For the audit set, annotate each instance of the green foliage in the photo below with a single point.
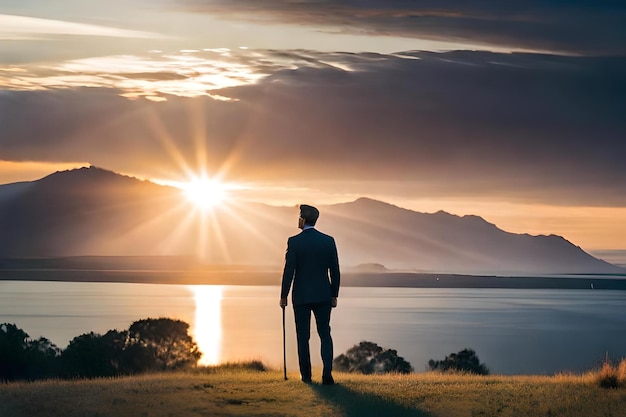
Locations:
(148, 345)
(24, 358)
(369, 358)
(465, 361)
(161, 344)
(91, 355)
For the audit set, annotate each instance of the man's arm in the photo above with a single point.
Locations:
(335, 275)
(288, 272)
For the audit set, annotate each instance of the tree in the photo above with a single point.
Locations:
(464, 361)
(23, 358)
(148, 345)
(13, 352)
(369, 358)
(43, 358)
(160, 344)
(91, 355)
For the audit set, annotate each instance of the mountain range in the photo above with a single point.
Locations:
(95, 212)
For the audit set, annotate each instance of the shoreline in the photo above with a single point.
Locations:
(349, 279)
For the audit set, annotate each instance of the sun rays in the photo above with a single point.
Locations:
(205, 212)
(206, 196)
(204, 192)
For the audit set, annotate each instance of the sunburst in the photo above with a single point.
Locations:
(204, 192)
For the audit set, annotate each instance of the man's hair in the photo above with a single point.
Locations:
(310, 214)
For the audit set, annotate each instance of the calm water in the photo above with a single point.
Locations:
(512, 331)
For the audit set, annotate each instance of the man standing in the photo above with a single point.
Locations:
(312, 264)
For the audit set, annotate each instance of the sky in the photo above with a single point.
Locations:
(513, 111)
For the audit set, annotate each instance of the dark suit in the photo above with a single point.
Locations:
(312, 264)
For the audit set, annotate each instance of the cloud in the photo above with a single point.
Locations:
(14, 27)
(184, 73)
(523, 126)
(575, 27)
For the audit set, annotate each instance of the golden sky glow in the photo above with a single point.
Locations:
(592, 228)
(13, 171)
(428, 109)
(23, 27)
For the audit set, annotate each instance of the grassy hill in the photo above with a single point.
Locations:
(232, 391)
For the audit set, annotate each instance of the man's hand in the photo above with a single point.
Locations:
(333, 302)
(283, 302)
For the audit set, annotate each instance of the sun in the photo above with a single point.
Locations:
(204, 192)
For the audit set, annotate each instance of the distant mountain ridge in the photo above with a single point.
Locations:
(91, 211)
(449, 243)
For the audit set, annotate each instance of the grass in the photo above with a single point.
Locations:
(611, 376)
(236, 390)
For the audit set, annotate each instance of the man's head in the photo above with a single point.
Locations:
(308, 216)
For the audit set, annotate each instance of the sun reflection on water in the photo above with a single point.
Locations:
(207, 330)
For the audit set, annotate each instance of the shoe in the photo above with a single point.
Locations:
(328, 380)
(307, 380)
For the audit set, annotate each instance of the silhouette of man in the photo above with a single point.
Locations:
(312, 264)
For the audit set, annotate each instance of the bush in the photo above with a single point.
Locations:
(612, 376)
(161, 344)
(91, 355)
(22, 358)
(148, 345)
(464, 361)
(621, 371)
(369, 358)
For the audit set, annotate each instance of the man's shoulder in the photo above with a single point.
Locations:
(310, 234)
(295, 238)
(317, 235)
(325, 236)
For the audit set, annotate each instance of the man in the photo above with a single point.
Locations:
(312, 264)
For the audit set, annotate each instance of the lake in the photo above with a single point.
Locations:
(513, 331)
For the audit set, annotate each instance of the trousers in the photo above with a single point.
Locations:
(302, 314)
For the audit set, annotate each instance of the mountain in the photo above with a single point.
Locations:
(448, 243)
(70, 212)
(91, 211)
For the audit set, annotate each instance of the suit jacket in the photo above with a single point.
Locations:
(311, 262)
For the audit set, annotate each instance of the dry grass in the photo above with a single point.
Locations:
(621, 371)
(611, 376)
(237, 391)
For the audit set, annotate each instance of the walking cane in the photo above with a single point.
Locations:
(284, 346)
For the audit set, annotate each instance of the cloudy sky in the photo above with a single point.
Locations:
(513, 111)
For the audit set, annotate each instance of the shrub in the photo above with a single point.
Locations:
(92, 355)
(611, 376)
(161, 344)
(148, 345)
(369, 358)
(22, 358)
(621, 372)
(465, 361)
(607, 377)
